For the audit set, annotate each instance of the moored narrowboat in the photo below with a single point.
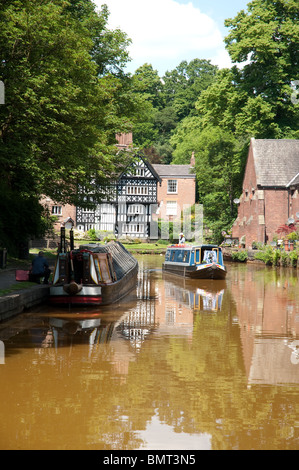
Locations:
(195, 262)
(93, 275)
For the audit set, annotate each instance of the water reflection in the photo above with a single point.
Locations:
(267, 309)
(195, 365)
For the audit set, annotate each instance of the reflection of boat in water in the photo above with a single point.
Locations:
(93, 275)
(195, 262)
(207, 301)
(206, 295)
(93, 330)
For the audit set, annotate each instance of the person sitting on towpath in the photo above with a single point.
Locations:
(40, 268)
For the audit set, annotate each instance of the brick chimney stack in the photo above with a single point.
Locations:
(192, 161)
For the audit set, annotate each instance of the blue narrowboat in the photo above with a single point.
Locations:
(195, 262)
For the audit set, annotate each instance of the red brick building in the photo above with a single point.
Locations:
(177, 190)
(270, 196)
(62, 212)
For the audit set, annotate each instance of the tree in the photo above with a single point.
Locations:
(251, 100)
(218, 162)
(184, 85)
(58, 124)
(266, 39)
(172, 98)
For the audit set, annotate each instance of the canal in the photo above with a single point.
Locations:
(184, 365)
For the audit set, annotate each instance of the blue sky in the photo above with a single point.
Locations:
(165, 32)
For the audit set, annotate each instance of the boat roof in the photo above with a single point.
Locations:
(191, 247)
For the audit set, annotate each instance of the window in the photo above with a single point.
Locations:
(137, 190)
(136, 209)
(171, 208)
(56, 210)
(140, 172)
(172, 186)
(133, 228)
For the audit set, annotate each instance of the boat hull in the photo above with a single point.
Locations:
(88, 295)
(208, 271)
(96, 294)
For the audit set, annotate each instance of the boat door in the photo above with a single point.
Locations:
(197, 256)
(215, 250)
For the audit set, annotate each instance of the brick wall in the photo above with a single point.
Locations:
(250, 222)
(185, 194)
(62, 212)
(262, 211)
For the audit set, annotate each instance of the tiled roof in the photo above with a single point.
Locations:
(177, 171)
(294, 181)
(276, 161)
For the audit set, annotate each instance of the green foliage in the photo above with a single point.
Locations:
(20, 218)
(240, 256)
(249, 101)
(265, 255)
(184, 85)
(167, 101)
(92, 234)
(65, 98)
(293, 236)
(277, 257)
(267, 37)
(218, 170)
(293, 258)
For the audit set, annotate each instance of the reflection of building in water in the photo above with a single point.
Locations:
(268, 313)
(162, 307)
(166, 306)
(178, 299)
(274, 361)
(139, 321)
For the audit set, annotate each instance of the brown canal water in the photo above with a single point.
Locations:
(176, 365)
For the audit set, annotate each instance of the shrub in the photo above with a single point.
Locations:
(265, 255)
(276, 257)
(293, 257)
(241, 256)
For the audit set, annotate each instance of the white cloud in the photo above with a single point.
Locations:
(165, 32)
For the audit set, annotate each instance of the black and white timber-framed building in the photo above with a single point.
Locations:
(131, 201)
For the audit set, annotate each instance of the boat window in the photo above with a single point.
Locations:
(210, 257)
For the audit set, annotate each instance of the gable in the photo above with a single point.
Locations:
(250, 180)
(140, 168)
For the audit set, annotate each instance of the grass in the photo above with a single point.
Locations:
(145, 248)
(157, 248)
(16, 287)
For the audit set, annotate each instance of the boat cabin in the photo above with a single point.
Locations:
(194, 255)
(84, 267)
